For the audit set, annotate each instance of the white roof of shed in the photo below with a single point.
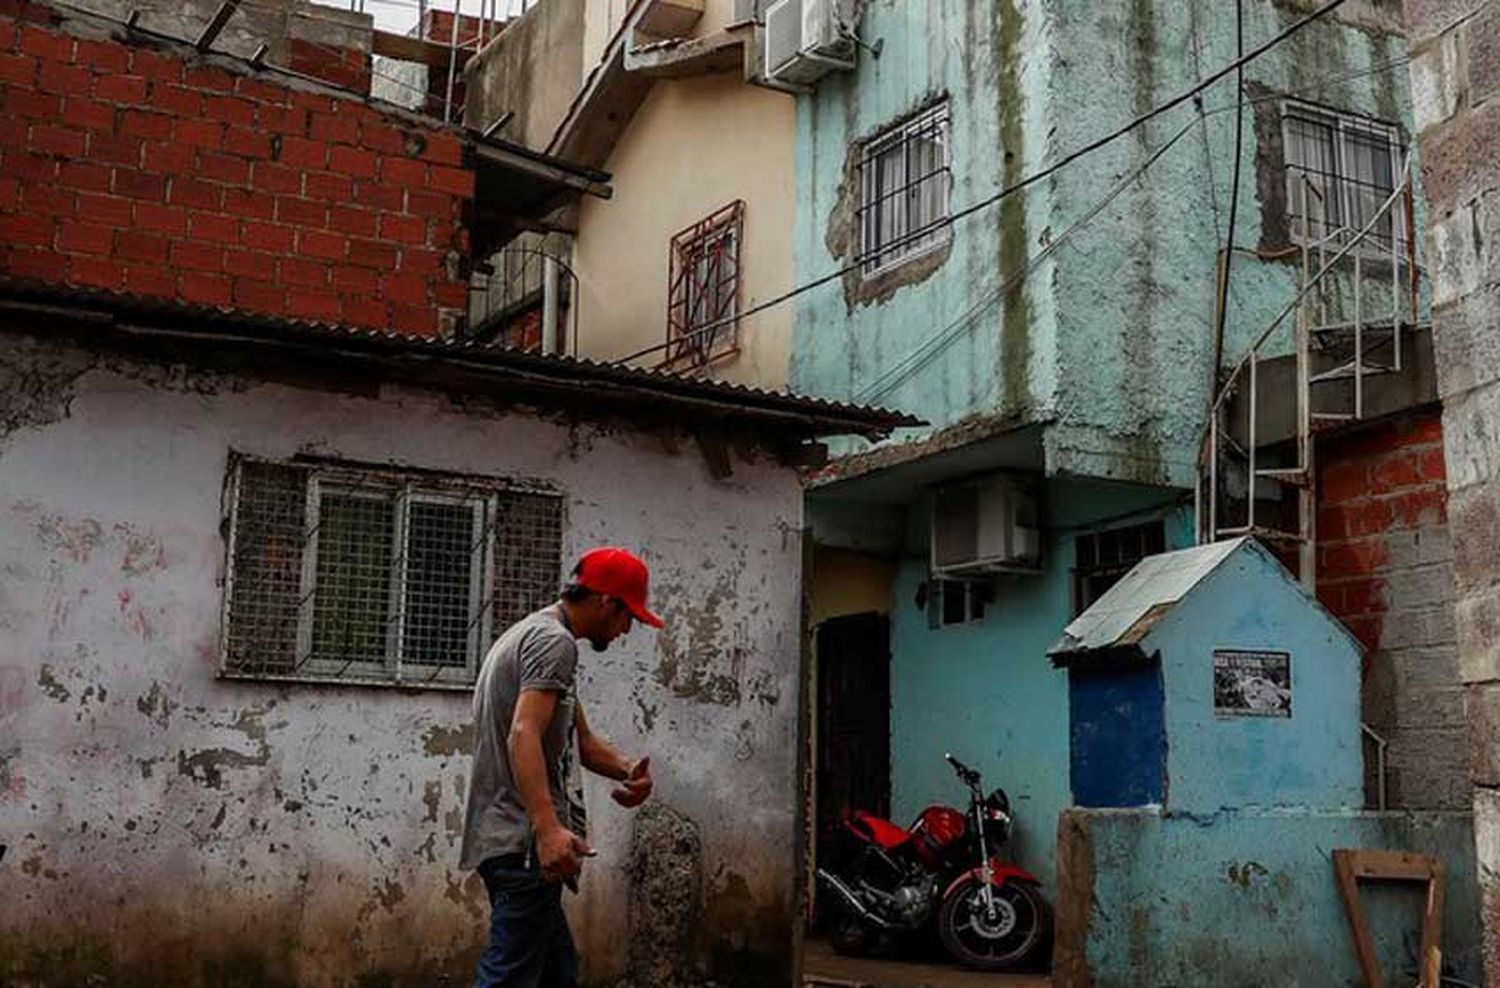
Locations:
(1130, 608)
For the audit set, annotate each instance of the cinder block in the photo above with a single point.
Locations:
(1474, 513)
(1482, 35)
(1484, 733)
(1456, 240)
(1437, 81)
(1418, 587)
(1477, 615)
(1424, 668)
(1465, 342)
(1451, 153)
(1425, 19)
(1427, 627)
(1435, 711)
(1471, 443)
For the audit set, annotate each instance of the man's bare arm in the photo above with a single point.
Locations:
(602, 758)
(558, 848)
(597, 754)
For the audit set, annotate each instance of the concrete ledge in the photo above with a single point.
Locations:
(1247, 898)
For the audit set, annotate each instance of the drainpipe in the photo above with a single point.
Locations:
(551, 331)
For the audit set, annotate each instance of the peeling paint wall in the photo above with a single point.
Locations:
(1245, 899)
(166, 827)
(1111, 338)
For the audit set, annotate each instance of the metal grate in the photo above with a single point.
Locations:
(703, 290)
(374, 575)
(351, 594)
(905, 176)
(265, 563)
(528, 554)
(445, 553)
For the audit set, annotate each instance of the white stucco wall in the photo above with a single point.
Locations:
(164, 824)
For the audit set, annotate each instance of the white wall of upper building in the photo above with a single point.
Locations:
(603, 18)
(695, 146)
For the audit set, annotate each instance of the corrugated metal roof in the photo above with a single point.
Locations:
(1130, 608)
(103, 309)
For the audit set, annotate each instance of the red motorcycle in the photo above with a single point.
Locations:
(944, 872)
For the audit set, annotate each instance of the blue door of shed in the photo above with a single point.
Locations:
(1119, 737)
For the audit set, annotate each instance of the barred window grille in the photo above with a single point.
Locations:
(905, 176)
(1340, 169)
(351, 574)
(703, 290)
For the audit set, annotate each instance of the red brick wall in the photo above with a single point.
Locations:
(145, 169)
(1385, 567)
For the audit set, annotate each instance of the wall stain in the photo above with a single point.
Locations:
(1015, 328)
(447, 741)
(432, 798)
(51, 686)
(156, 706)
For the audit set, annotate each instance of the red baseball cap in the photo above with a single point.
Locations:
(617, 573)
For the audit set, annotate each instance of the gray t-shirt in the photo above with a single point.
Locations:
(536, 653)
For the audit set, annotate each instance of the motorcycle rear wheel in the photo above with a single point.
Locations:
(1001, 941)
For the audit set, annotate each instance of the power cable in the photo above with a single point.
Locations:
(1222, 309)
(1024, 183)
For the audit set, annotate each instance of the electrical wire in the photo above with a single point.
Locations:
(1021, 185)
(1222, 300)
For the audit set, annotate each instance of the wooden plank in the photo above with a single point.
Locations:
(1392, 865)
(1432, 930)
(409, 49)
(1343, 866)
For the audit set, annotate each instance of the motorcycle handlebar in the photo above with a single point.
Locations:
(968, 775)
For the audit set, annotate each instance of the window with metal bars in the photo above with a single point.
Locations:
(1101, 558)
(1340, 169)
(905, 177)
(371, 575)
(703, 290)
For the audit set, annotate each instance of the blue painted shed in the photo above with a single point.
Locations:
(1209, 679)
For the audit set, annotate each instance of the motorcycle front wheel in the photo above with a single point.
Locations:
(997, 935)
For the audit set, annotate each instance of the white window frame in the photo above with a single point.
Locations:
(1342, 124)
(403, 491)
(877, 258)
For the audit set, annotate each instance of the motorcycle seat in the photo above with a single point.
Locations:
(882, 832)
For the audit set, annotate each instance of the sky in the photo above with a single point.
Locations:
(400, 16)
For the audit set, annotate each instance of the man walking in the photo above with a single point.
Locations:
(525, 827)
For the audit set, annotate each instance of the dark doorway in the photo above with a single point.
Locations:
(854, 721)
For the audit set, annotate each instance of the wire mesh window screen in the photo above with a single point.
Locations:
(351, 589)
(703, 289)
(528, 554)
(905, 178)
(347, 574)
(270, 527)
(1340, 169)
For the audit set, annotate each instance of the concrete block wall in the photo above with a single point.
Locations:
(1385, 568)
(137, 165)
(1455, 73)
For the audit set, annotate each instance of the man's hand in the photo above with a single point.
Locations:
(632, 792)
(560, 853)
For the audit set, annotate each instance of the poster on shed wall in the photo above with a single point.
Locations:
(1252, 684)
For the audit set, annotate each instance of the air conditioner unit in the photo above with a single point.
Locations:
(807, 39)
(986, 526)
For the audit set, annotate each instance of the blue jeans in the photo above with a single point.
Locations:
(530, 944)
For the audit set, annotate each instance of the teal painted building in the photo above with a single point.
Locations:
(1063, 336)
